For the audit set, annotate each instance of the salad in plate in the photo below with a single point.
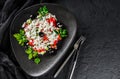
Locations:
(41, 34)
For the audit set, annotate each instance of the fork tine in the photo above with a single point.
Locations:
(81, 39)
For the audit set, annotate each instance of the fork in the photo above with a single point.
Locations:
(76, 57)
(76, 46)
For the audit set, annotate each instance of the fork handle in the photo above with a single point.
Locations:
(76, 58)
(64, 63)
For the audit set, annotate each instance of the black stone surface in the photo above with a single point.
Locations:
(99, 20)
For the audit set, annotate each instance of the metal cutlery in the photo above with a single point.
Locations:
(76, 46)
(82, 39)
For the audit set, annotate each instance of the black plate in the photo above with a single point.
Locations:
(47, 62)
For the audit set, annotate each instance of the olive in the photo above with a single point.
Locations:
(41, 34)
(26, 47)
(25, 43)
(59, 24)
(51, 51)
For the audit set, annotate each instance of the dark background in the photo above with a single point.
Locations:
(98, 20)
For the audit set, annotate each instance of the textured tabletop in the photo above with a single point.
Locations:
(99, 20)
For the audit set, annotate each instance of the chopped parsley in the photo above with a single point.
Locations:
(37, 60)
(20, 37)
(43, 11)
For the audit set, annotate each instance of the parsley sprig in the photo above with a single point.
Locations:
(20, 37)
(32, 55)
(62, 32)
(43, 11)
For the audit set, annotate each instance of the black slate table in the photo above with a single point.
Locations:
(99, 21)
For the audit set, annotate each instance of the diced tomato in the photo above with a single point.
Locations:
(31, 42)
(54, 24)
(52, 20)
(55, 42)
(59, 37)
(45, 38)
(53, 46)
(40, 50)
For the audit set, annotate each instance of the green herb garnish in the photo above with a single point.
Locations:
(37, 60)
(43, 11)
(20, 37)
(29, 50)
(62, 32)
(56, 31)
(30, 56)
(31, 53)
(35, 54)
